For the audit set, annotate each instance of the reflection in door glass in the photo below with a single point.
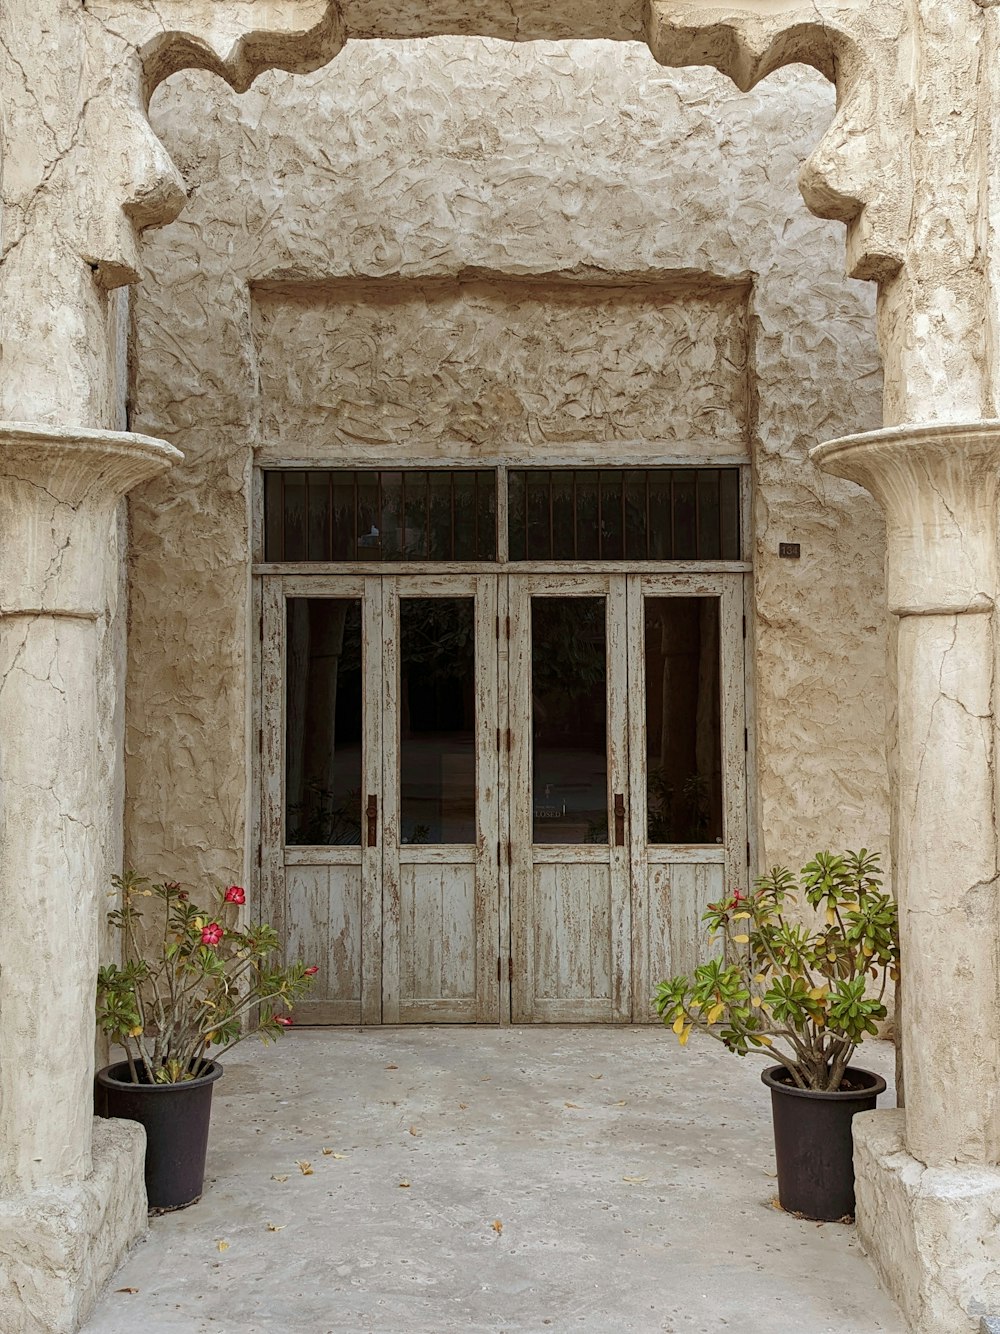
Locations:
(323, 722)
(569, 720)
(437, 711)
(683, 728)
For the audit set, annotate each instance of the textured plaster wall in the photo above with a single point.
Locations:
(400, 168)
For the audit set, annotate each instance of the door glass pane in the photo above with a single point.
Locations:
(683, 725)
(437, 720)
(323, 719)
(569, 722)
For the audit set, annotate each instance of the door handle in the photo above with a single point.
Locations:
(372, 813)
(619, 820)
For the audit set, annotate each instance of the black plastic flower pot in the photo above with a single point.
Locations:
(812, 1141)
(176, 1118)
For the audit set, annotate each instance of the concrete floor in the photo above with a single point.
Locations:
(528, 1180)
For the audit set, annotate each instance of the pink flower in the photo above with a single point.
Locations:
(283, 1020)
(311, 972)
(211, 934)
(234, 894)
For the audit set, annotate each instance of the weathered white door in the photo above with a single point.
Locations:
(380, 837)
(569, 899)
(440, 832)
(687, 767)
(321, 743)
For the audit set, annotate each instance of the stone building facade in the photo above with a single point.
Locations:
(343, 247)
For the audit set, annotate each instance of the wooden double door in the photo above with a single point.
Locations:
(499, 797)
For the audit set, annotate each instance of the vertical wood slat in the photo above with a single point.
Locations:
(620, 924)
(372, 782)
(487, 884)
(639, 878)
(389, 803)
(272, 760)
(504, 810)
(521, 869)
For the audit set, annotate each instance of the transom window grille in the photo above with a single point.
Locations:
(364, 515)
(553, 514)
(624, 514)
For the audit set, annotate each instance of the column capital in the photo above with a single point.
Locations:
(938, 487)
(58, 488)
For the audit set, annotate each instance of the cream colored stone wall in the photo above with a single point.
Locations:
(515, 170)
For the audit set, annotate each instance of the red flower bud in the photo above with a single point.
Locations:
(283, 1020)
(311, 972)
(234, 894)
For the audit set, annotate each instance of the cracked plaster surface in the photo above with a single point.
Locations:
(282, 308)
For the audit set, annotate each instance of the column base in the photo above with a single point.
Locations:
(59, 1247)
(930, 1232)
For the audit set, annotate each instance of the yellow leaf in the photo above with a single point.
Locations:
(831, 915)
(832, 957)
(714, 1013)
(741, 917)
(678, 1024)
(305, 1168)
(135, 1032)
(760, 979)
(766, 1040)
(819, 993)
(755, 1001)
(222, 1245)
(497, 1226)
(684, 1036)
(741, 940)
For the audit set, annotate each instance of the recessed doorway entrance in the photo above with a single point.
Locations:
(503, 792)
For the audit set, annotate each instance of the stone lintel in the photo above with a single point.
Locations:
(59, 1247)
(938, 487)
(930, 1232)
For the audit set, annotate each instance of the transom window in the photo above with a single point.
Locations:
(451, 514)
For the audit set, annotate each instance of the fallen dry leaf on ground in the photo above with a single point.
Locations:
(572, 1104)
(126, 1289)
(462, 1106)
(305, 1168)
(619, 1104)
(497, 1226)
(222, 1245)
(635, 1181)
(276, 1227)
(414, 1130)
(597, 1076)
(404, 1185)
(274, 1178)
(392, 1067)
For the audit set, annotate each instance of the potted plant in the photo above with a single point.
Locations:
(818, 990)
(176, 1007)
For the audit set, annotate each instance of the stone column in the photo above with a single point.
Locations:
(71, 1201)
(928, 1179)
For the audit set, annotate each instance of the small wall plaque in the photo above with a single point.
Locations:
(790, 550)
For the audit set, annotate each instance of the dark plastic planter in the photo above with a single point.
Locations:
(176, 1118)
(813, 1144)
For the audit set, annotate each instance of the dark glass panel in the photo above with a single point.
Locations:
(345, 515)
(296, 537)
(320, 517)
(486, 515)
(685, 516)
(588, 541)
(563, 515)
(612, 530)
(391, 516)
(369, 521)
(569, 720)
(661, 516)
(683, 723)
(274, 516)
(465, 516)
(323, 720)
(709, 532)
(437, 712)
(517, 543)
(729, 489)
(636, 517)
(441, 517)
(538, 520)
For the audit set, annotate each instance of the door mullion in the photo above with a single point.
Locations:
(503, 751)
(389, 822)
(637, 781)
(618, 781)
(373, 786)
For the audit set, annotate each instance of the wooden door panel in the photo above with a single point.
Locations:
(437, 942)
(572, 923)
(324, 928)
